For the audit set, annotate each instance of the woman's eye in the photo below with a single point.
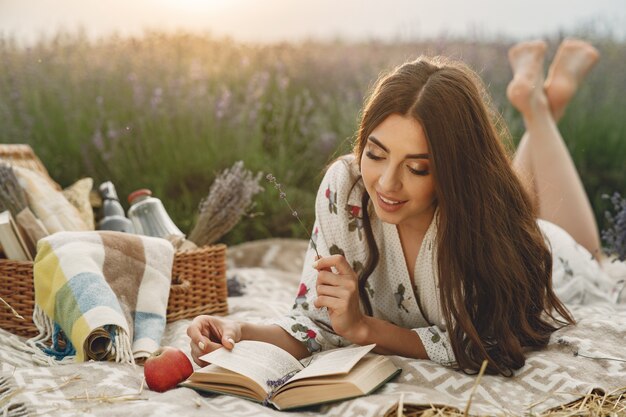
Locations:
(418, 170)
(371, 156)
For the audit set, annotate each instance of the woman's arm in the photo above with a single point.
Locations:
(389, 338)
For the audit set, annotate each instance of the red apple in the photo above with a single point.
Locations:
(166, 367)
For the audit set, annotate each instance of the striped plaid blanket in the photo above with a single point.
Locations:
(101, 295)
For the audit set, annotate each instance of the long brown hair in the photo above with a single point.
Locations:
(494, 268)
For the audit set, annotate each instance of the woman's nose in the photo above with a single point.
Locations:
(389, 180)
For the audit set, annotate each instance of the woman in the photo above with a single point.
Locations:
(448, 262)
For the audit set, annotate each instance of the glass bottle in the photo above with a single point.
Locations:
(149, 216)
(113, 217)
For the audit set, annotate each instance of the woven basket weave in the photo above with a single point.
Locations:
(198, 275)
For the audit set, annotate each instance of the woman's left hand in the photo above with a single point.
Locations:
(339, 293)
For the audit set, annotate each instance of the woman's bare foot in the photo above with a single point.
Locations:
(572, 62)
(525, 91)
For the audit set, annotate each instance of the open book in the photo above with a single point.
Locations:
(266, 373)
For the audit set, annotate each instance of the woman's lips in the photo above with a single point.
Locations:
(387, 206)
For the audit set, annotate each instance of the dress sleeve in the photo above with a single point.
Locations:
(437, 345)
(305, 322)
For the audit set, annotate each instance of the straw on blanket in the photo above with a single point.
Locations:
(101, 295)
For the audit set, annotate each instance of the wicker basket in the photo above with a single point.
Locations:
(198, 275)
(198, 287)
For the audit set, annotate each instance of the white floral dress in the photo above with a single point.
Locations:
(338, 229)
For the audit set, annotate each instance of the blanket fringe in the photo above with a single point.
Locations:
(8, 407)
(123, 347)
(45, 325)
(37, 355)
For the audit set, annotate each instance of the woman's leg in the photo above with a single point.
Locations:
(543, 160)
(522, 164)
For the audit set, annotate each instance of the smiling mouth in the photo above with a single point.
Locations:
(390, 201)
(386, 200)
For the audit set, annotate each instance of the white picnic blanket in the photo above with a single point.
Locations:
(588, 355)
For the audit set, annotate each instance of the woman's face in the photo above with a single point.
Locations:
(396, 172)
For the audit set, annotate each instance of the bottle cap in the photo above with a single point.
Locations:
(138, 193)
(107, 191)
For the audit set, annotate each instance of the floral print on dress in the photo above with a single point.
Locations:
(436, 338)
(307, 336)
(399, 296)
(336, 250)
(355, 220)
(437, 345)
(301, 298)
(568, 270)
(357, 266)
(332, 200)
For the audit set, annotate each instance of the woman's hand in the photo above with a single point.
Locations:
(339, 293)
(209, 333)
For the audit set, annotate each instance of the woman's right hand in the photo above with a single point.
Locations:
(208, 333)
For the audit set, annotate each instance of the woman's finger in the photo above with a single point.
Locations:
(339, 262)
(207, 345)
(331, 291)
(228, 340)
(328, 278)
(328, 302)
(194, 330)
(196, 354)
(205, 333)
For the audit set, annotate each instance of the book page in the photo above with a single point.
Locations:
(264, 363)
(333, 362)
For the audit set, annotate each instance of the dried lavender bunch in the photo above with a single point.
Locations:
(283, 196)
(614, 236)
(12, 195)
(229, 198)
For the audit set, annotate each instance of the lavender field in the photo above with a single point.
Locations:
(169, 111)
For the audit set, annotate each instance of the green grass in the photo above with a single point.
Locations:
(169, 111)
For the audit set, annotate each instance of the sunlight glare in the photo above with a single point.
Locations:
(194, 5)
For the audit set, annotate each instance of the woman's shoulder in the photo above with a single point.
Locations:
(344, 171)
(342, 185)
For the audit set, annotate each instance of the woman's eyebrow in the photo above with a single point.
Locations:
(409, 156)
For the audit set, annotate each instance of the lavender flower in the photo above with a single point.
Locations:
(275, 384)
(221, 107)
(230, 196)
(157, 98)
(614, 236)
(283, 196)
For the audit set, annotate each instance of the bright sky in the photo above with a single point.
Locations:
(275, 20)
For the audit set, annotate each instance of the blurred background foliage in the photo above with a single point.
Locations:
(169, 111)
